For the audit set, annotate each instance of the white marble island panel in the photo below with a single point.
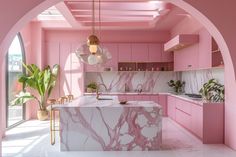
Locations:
(90, 124)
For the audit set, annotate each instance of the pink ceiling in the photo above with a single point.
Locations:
(120, 14)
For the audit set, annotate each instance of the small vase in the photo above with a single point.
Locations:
(42, 115)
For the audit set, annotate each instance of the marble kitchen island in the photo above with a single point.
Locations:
(88, 124)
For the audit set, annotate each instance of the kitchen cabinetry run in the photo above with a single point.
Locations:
(202, 55)
(148, 56)
(140, 52)
(205, 120)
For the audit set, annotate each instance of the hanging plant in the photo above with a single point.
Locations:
(213, 91)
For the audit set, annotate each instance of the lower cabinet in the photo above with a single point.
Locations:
(171, 107)
(197, 120)
(205, 120)
(183, 118)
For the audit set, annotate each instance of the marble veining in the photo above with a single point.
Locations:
(133, 127)
(195, 79)
(150, 81)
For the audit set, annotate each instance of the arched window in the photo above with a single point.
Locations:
(15, 57)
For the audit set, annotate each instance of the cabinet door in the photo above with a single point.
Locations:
(140, 52)
(113, 49)
(146, 97)
(166, 56)
(124, 52)
(197, 120)
(183, 118)
(138, 97)
(204, 56)
(162, 100)
(154, 52)
(171, 107)
(186, 59)
(129, 97)
(122, 97)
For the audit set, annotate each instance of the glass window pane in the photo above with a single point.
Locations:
(15, 59)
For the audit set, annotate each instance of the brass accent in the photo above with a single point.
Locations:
(93, 40)
(53, 126)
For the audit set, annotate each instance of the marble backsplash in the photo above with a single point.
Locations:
(150, 81)
(195, 79)
(153, 81)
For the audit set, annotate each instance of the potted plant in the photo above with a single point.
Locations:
(213, 91)
(92, 87)
(177, 85)
(39, 82)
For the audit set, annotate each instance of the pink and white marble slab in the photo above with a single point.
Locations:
(87, 124)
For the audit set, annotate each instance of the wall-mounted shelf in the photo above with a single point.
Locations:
(145, 66)
(181, 41)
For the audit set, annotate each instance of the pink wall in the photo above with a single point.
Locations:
(108, 36)
(60, 45)
(216, 16)
(188, 25)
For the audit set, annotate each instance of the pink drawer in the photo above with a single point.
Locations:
(183, 118)
(183, 106)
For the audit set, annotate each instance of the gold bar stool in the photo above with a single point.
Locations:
(53, 126)
(51, 102)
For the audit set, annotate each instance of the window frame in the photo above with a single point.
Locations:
(7, 81)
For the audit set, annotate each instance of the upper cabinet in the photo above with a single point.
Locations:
(139, 52)
(155, 52)
(203, 55)
(131, 53)
(181, 41)
(124, 52)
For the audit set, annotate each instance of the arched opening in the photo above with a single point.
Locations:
(15, 58)
(211, 28)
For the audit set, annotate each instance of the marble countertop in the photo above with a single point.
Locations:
(110, 101)
(198, 101)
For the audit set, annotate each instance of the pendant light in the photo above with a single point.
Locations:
(92, 53)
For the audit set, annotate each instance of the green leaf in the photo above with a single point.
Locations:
(22, 98)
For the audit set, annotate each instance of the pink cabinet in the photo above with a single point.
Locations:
(197, 120)
(124, 52)
(171, 107)
(162, 100)
(205, 46)
(113, 49)
(140, 52)
(155, 52)
(186, 59)
(166, 56)
(183, 118)
(205, 120)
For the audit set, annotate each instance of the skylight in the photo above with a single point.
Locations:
(50, 14)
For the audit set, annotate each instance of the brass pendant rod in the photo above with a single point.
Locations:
(93, 18)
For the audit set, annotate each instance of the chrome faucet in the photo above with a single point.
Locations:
(97, 90)
(139, 88)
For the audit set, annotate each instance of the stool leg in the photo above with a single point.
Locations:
(52, 127)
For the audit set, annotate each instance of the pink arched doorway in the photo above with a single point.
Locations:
(216, 16)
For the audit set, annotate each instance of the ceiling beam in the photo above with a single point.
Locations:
(63, 9)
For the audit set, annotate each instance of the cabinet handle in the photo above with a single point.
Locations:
(189, 66)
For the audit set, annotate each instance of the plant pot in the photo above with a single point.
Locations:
(42, 115)
(91, 90)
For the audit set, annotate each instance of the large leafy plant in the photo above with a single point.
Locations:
(41, 81)
(213, 91)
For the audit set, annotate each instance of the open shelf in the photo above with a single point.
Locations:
(145, 66)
